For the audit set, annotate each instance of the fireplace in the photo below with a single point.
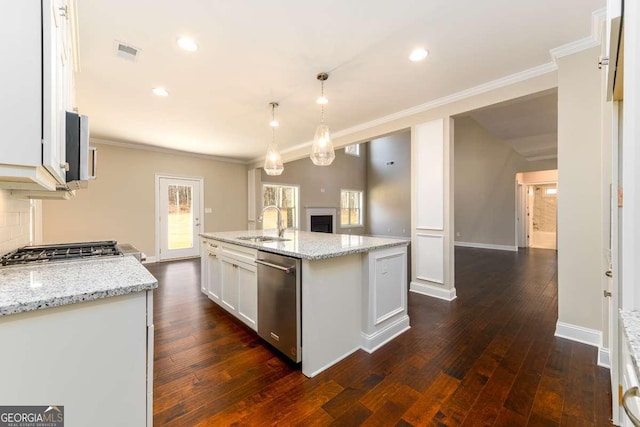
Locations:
(321, 220)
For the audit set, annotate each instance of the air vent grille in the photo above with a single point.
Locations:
(126, 51)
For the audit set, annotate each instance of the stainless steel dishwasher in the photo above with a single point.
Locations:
(279, 303)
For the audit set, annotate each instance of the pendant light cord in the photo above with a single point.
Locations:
(322, 105)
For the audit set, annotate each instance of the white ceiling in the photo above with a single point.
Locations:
(254, 52)
(529, 124)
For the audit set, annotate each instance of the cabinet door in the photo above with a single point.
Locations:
(228, 285)
(204, 269)
(214, 279)
(248, 295)
(55, 67)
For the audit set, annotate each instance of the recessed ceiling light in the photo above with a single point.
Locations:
(322, 100)
(160, 91)
(187, 44)
(418, 54)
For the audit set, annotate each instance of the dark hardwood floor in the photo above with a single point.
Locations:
(487, 358)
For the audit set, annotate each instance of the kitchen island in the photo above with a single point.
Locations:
(353, 288)
(79, 334)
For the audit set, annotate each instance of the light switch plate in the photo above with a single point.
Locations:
(208, 210)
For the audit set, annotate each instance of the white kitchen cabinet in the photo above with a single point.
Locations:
(87, 357)
(629, 380)
(229, 285)
(210, 271)
(247, 280)
(229, 278)
(214, 279)
(36, 81)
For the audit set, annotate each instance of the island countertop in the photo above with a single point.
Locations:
(308, 245)
(37, 286)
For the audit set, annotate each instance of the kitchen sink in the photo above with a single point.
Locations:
(259, 239)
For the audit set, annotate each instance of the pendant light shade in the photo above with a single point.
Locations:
(322, 153)
(273, 160)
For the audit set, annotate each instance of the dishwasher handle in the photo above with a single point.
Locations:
(287, 270)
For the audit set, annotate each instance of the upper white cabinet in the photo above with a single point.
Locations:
(36, 81)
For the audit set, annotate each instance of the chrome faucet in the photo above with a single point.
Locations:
(281, 227)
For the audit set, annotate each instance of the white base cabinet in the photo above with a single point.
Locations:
(229, 279)
(88, 357)
(629, 380)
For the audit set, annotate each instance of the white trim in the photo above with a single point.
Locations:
(547, 157)
(158, 176)
(579, 334)
(149, 260)
(573, 47)
(372, 342)
(330, 364)
(603, 358)
(487, 246)
(154, 148)
(433, 291)
(597, 18)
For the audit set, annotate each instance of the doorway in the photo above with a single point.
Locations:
(542, 208)
(178, 220)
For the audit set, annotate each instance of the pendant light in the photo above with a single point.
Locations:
(273, 160)
(322, 153)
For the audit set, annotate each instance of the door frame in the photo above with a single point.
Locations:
(522, 206)
(157, 210)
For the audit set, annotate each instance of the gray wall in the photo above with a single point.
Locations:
(388, 197)
(484, 184)
(320, 185)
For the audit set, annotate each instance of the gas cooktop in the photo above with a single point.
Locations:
(59, 252)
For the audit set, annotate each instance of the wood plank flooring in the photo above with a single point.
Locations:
(488, 358)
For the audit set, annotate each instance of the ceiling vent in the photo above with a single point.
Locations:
(126, 51)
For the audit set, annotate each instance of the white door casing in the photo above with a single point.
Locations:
(179, 216)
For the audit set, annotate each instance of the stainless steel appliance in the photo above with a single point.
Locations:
(78, 152)
(279, 303)
(68, 251)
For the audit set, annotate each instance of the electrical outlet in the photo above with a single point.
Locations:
(457, 234)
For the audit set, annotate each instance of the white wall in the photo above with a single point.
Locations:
(580, 193)
(485, 185)
(120, 204)
(388, 197)
(14, 222)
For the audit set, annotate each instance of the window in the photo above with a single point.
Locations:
(286, 198)
(350, 208)
(353, 149)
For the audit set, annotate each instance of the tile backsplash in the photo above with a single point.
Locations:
(14, 222)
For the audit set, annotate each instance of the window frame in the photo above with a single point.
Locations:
(361, 208)
(357, 150)
(297, 207)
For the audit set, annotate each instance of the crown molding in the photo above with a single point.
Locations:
(597, 18)
(145, 147)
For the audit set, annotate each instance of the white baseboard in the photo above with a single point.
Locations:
(433, 291)
(149, 260)
(372, 342)
(603, 358)
(579, 334)
(487, 246)
(330, 364)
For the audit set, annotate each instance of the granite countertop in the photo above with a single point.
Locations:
(308, 245)
(37, 286)
(631, 326)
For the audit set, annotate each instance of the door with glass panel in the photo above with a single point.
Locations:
(179, 219)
